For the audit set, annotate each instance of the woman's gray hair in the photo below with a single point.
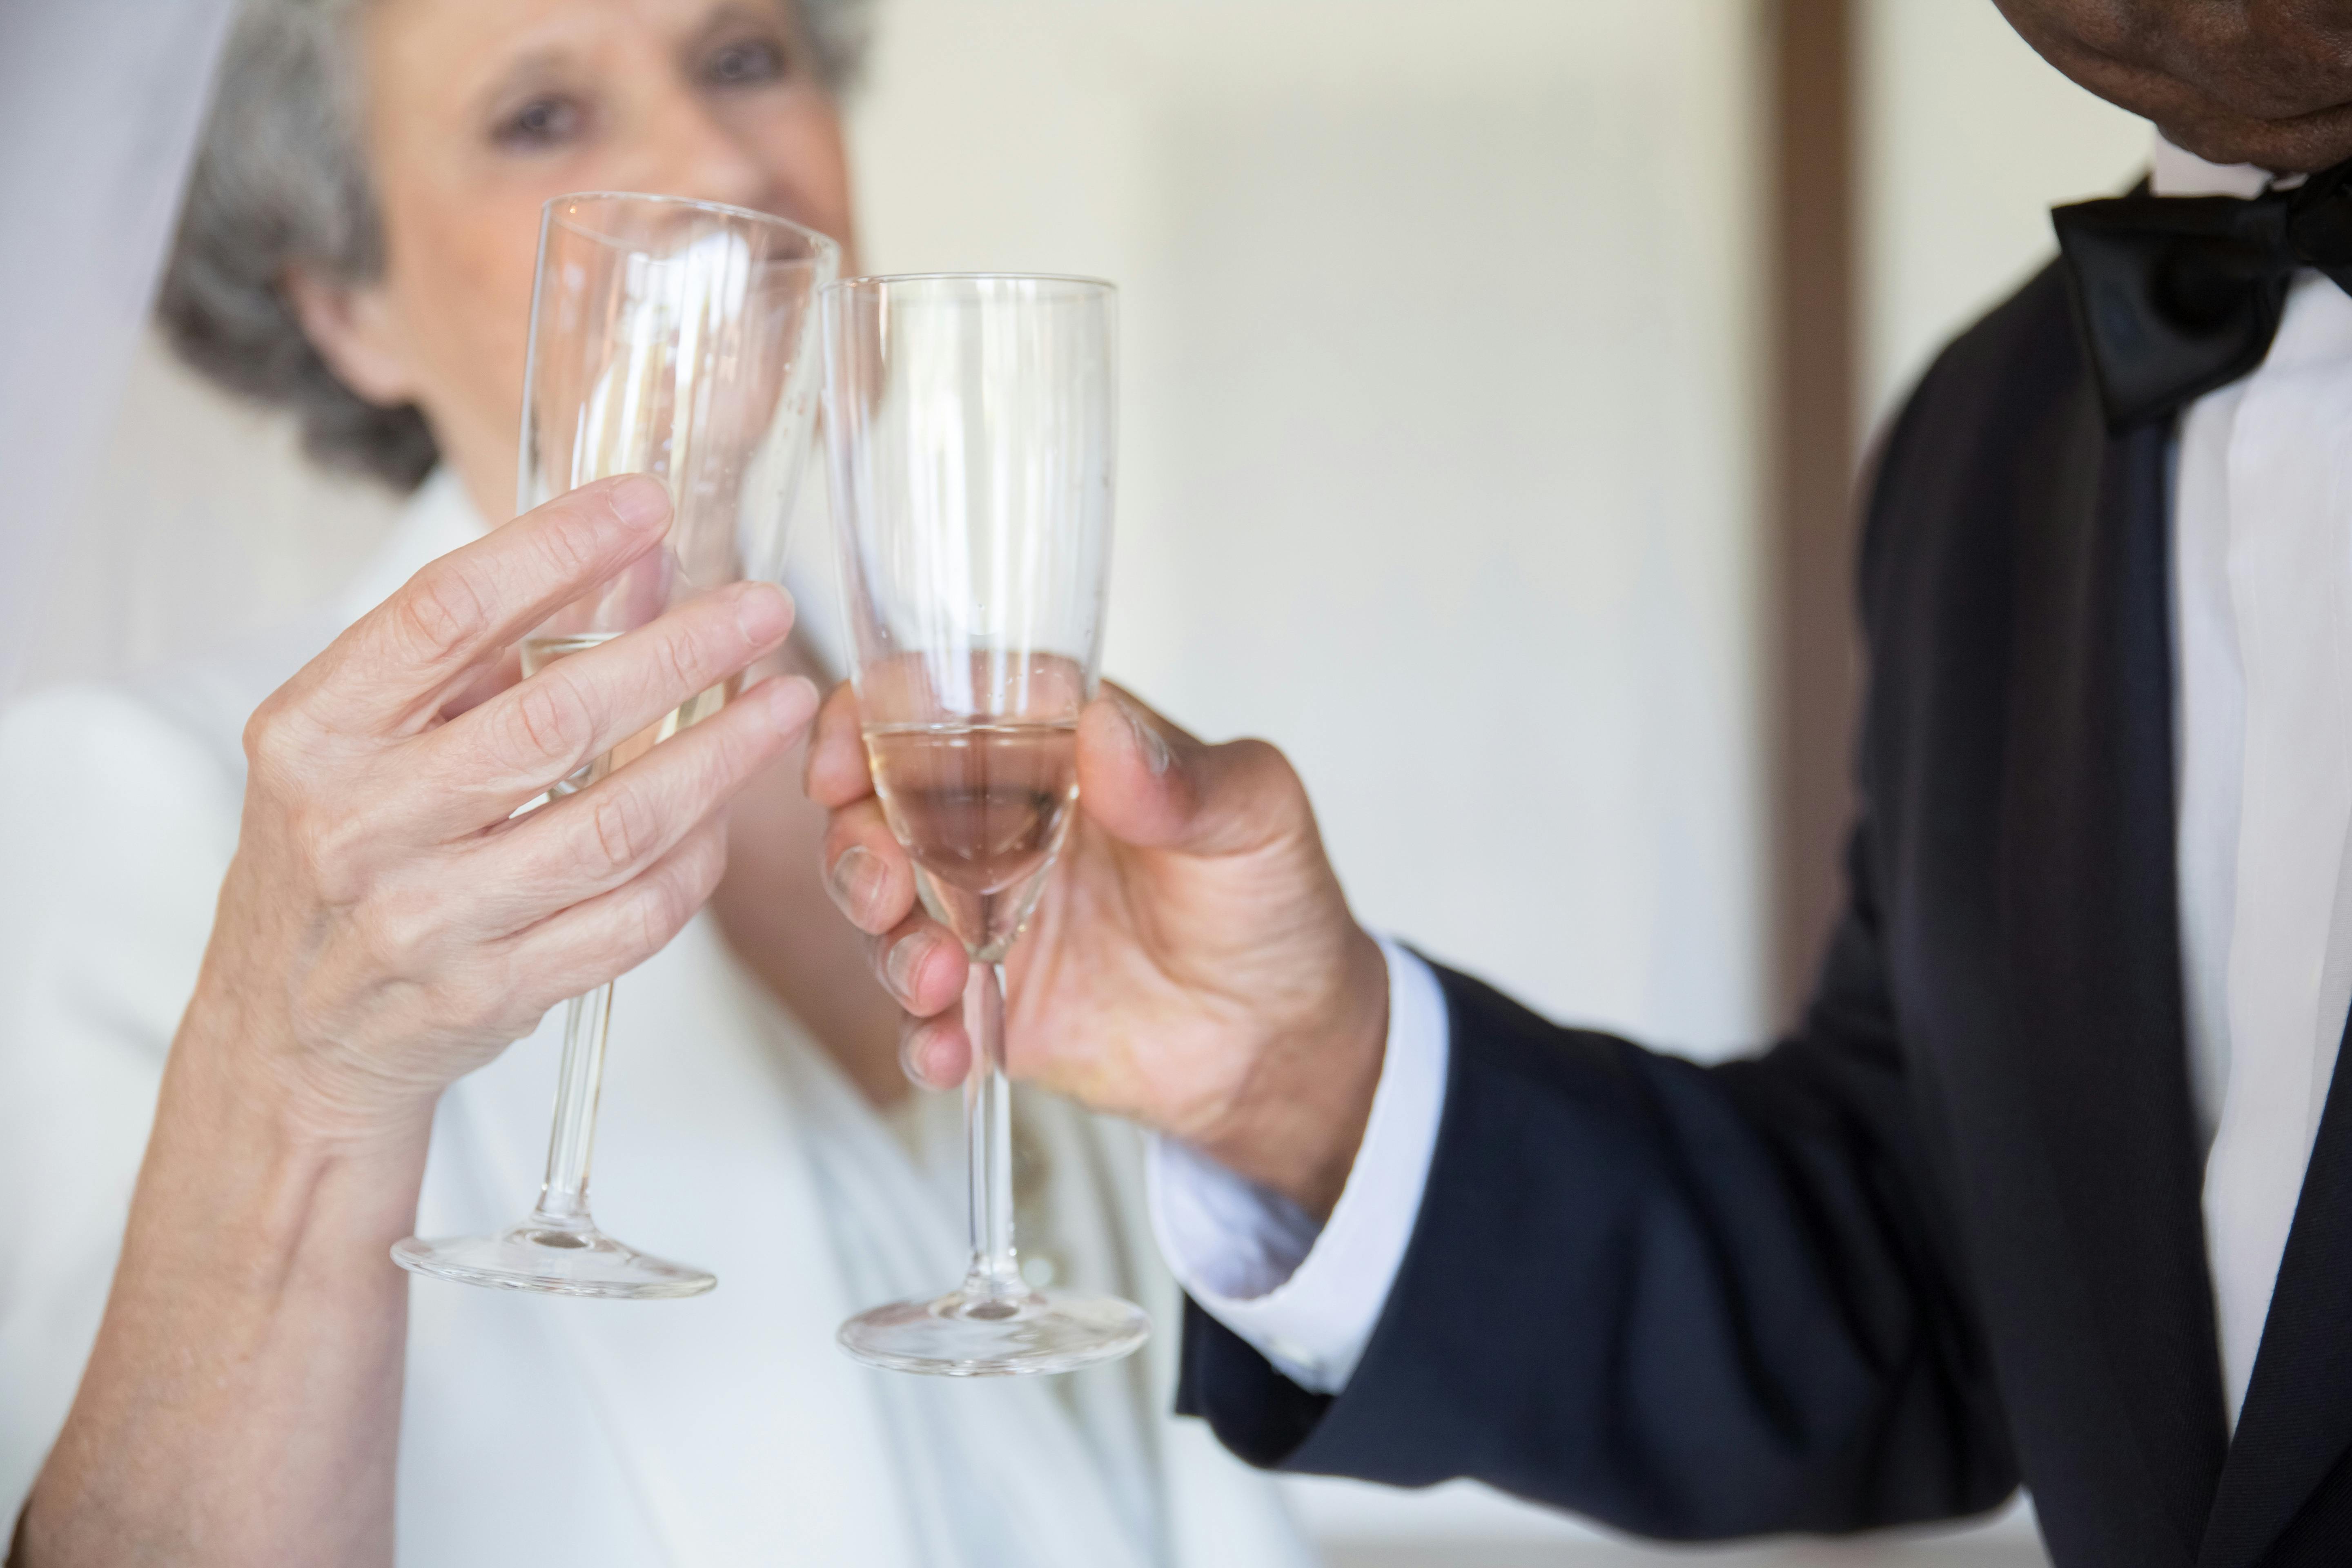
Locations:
(280, 180)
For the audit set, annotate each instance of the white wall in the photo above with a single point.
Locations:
(1968, 139)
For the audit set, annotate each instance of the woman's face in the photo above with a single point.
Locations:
(478, 111)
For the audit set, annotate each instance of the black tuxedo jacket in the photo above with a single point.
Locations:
(1947, 1237)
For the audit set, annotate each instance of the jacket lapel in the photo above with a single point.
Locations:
(2297, 1421)
(2092, 951)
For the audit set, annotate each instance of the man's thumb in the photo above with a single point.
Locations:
(1148, 784)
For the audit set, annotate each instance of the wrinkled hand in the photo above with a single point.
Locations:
(388, 924)
(1193, 965)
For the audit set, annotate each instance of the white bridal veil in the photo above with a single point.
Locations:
(101, 101)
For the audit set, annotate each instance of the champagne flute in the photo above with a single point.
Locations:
(672, 338)
(970, 421)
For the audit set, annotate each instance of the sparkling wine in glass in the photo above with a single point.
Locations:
(672, 338)
(982, 809)
(970, 422)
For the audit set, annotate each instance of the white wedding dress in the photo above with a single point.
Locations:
(725, 1430)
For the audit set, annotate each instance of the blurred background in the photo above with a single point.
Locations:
(1495, 374)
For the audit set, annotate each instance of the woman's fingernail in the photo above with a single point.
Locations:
(791, 702)
(639, 500)
(904, 963)
(856, 881)
(1147, 737)
(763, 613)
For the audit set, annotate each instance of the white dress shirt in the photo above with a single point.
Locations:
(2262, 543)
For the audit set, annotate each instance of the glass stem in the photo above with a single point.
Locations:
(563, 1199)
(988, 1136)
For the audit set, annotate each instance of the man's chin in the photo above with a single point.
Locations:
(2200, 122)
(2234, 81)
(2302, 145)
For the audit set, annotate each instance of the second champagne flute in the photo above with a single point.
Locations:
(672, 338)
(970, 425)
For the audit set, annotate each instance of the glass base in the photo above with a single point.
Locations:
(966, 1334)
(555, 1259)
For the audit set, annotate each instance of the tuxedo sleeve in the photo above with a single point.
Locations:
(1692, 1302)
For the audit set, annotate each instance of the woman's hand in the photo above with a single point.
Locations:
(388, 924)
(1193, 965)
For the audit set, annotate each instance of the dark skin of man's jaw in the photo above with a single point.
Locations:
(2267, 82)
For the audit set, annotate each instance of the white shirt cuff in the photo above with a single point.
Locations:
(1307, 1297)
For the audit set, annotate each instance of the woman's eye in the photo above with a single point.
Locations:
(746, 63)
(541, 122)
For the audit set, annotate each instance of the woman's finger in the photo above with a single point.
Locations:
(392, 672)
(587, 844)
(489, 677)
(501, 753)
(571, 953)
(865, 870)
(838, 773)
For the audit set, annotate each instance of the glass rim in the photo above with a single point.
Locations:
(821, 243)
(878, 281)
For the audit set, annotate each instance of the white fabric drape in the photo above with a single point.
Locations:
(100, 102)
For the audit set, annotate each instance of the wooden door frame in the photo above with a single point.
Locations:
(1812, 353)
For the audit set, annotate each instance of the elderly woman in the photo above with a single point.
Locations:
(263, 1006)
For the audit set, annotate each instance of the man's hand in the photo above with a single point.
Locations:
(1193, 965)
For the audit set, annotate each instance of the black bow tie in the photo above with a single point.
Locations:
(2178, 295)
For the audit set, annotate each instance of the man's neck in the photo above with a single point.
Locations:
(2173, 171)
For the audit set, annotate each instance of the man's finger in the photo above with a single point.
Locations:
(921, 964)
(934, 1053)
(1150, 783)
(499, 755)
(392, 672)
(865, 870)
(838, 773)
